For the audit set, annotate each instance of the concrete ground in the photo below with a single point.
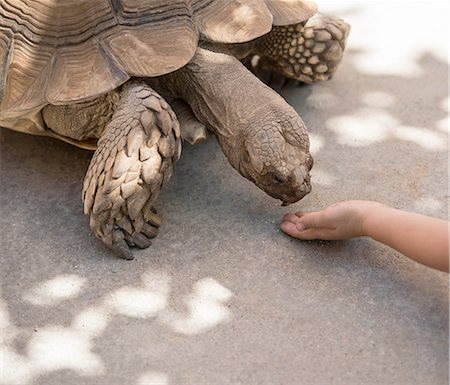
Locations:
(223, 297)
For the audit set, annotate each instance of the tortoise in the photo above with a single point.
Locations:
(130, 78)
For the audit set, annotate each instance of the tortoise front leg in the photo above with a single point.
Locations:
(307, 52)
(134, 160)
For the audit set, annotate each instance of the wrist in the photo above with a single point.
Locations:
(370, 217)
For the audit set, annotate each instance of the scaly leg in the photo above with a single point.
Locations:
(307, 52)
(134, 159)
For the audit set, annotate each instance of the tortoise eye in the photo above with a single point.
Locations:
(278, 179)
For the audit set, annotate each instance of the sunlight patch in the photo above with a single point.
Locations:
(445, 104)
(206, 308)
(153, 378)
(370, 126)
(395, 48)
(137, 303)
(55, 348)
(15, 370)
(378, 99)
(372, 63)
(422, 137)
(142, 302)
(5, 321)
(362, 129)
(322, 100)
(55, 290)
(316, 143)
(91, 321)
(443, 125)
(212, 290)
(322, 177)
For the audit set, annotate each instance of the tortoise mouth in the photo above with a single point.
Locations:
(288, 184)
(305, 189)
(289, 189)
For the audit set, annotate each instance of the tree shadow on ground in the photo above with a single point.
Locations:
(220, 278)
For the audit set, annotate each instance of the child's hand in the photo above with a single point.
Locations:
(421, 238)
(342, 220)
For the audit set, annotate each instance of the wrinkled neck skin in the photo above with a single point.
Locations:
(260, 134)
(218, 91)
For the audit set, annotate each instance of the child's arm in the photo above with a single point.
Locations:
(421, 238)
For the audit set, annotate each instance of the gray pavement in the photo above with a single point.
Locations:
(222, 296)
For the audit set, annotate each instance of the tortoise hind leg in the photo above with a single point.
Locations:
(133, 161)
(192, 130)
(307, 52)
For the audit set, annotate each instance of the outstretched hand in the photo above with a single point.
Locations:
(342, 220)
(419, 237)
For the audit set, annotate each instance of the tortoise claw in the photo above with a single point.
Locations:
(153, 218)
(150, 230)
(122, 241)
(141, 241)
(120, 247)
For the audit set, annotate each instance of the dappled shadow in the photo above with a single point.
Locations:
(222, 296)
(384, 127)
(70, 345)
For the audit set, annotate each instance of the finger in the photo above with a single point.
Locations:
(312, 220)
(307, 235)
(293, 216)
(290, 217)
(312, 234)
(290, 229)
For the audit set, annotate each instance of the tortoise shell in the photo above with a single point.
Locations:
(63, 52)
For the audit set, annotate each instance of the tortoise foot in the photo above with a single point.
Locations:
(122, 239)
(307, 52)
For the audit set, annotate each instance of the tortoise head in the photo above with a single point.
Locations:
(276, 158)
